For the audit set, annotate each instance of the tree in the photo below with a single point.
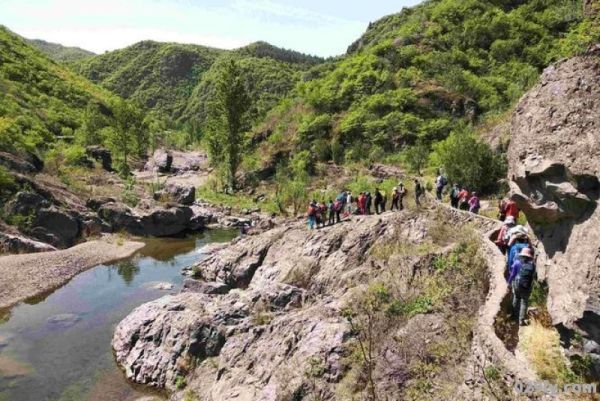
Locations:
(129, 134)
(416, 156)
(93, 122)
(226, 122)
(469, 161)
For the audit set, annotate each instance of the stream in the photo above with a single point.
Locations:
(57, 347)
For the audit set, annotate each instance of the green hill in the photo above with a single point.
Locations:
(40, 98)
(157, 75)
(167, 76)
(419, 74)
(267, 82)
(59, 52)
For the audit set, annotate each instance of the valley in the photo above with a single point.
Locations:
(158, 206)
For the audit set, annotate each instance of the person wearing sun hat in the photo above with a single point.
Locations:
(502, 240)
(521, 279)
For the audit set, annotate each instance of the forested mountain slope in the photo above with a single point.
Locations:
(58, 52)
(417, 75)
(167, 76)
(40, 98)
(156, 75)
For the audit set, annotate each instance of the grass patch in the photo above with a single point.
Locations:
(237, 201)
(541, 346)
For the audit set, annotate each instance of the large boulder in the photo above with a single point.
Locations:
(19, 244)
(97, 202)
(25, 203)
(188, 161)
(554, 159)
(101, 155)
(160, 340)
(160, 161)
(24, 164)
(55, 227)
(166, 222)
(183, 194)
(158, 222)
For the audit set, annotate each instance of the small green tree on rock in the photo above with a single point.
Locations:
(227, 122)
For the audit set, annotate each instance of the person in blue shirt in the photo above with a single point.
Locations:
(520, 280)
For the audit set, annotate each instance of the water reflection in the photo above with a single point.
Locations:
(57, 347)
(127, 269)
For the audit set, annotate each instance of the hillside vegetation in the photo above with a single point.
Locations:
(59, 52)
(155, 75)
(176, 80)
(40, 98)
(416, 76)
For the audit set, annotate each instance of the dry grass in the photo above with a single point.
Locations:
(541, 346)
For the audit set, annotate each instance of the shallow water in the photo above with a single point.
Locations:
(57, 347)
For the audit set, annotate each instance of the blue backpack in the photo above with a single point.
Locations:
(525, 277)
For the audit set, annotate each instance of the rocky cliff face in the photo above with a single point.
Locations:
(554, 159)
(283, 315)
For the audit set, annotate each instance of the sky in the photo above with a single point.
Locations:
(320, 27)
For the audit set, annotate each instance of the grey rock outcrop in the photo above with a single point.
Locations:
(158, 222)
(26, 203)
(160, 161)
(554, 160)
(19, 244)
(277, 299)
(55, 227)
(102, 155)
(183, 194)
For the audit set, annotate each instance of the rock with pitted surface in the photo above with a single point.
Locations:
(554, 160)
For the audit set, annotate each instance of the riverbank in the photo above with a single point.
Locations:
(28, 275)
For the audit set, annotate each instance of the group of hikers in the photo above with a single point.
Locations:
(345, 204)
(460, 197)
(513, 241)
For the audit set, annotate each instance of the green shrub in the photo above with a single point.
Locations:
(469, 161)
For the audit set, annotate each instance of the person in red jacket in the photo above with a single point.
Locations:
(362, 203)
(512, 209)
(463, 199)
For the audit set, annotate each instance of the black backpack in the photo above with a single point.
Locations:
(525, 277)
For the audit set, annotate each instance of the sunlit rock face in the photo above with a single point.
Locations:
(554, 160)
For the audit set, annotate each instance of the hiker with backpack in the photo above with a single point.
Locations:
(502, 238)
(395, 199)
(512, 209)
(454, 196)
(521, 279)
(378, 201)
(518, 239)
(311, 213)
(401, 195)
(474, 204)
(338, 206)
(369, 201)
(463, 199)
(331, 210)
(349, 207)
(321, 214)
(440, 184)
(418, 192)
(362, 203)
